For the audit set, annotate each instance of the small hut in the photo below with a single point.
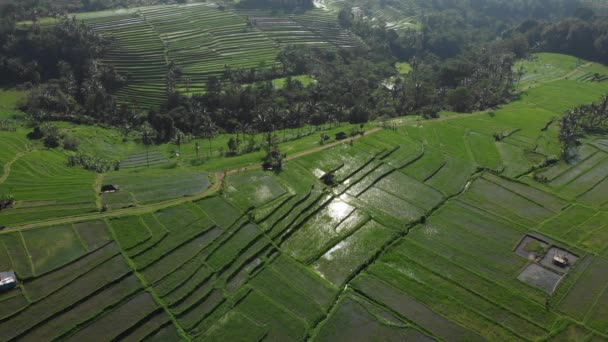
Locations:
(8, 280)
(560, 260)
(109, 188)
(341, 136)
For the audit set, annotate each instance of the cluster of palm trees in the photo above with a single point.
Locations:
(591, 118)
(99, 165)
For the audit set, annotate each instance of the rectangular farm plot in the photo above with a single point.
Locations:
(579, 169)
(87, 310)
(52, 247)
(339, 263)
(596, 196)
(413, 310)
(585, 292)
(391, 205)
(280, 290)
(410, 267)
(356, 319)
(118, 320)
(321, 229)
(148, 187)
(93, 234)
(220, 211)
(540, 277)
(535, 195)
(567, 220)
(252, 189)
(282, 324)
(230, 248)
(452, 177)
(424, 168)
(407, 188)
(587, 181)
(598, 317)
(232, 327)
(17, 257)
(484, 150)
(498, 200)
(130, 231)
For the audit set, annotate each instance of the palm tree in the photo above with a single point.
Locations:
(209, 129)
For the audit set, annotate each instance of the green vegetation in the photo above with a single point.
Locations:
(147, 214)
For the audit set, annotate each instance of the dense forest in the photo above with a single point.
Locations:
(462, 60)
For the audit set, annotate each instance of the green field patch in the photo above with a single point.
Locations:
(554, 171)
(176, 258)
(65, 247)
(45, 187)
(598, 317)
(274, 286)
(65, 298)
(11, 305)
(174, 294)
(319, 230)
(167, 333)
(129, 231)
(18, 257)
(219, 211)
(596, 197)
(166, 245)
(40, 287)
(587, 181)
(579, 169)
(232, 327)
(585, 292)
(391, 205)
(495, 199)
(157, 231)
(182, 216)
(424, 168)
(252, 189)
(309, 282)
(149, 186)
(61, 324)
(344, 159)
(452, 177)
(370, 179)
(118, 320)
(93, 234)
(573, 216)
(484, 150)
(413, 310)
(230, 248)
(283, 325)
(150, 326)
(339, 263)
(515, 159)
(540, 197)
(357, 319)
(191, 317)
(407, 188)
(492, 258)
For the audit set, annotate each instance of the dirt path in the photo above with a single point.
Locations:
(143, 209)
(7, 167)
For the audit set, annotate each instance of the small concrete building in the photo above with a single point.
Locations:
(8, 280)
(109, 188)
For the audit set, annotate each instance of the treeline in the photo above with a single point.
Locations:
(584, 36)
(591, 118)
(60, 66)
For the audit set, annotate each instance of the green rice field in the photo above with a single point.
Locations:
(430, 231)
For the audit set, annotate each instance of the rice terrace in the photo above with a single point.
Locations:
(370, 170)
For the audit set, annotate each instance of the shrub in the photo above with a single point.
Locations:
(52, 141)
(71, 143)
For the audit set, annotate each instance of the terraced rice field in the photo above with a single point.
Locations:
(202, 40)
(430, 231)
